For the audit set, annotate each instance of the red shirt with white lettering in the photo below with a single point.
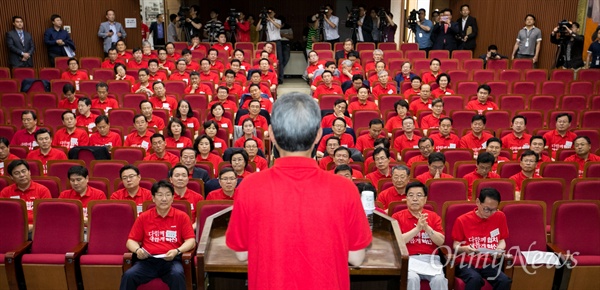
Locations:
(421, 243)
(157, 234)
(132, 64)
(479, 107)
(440, 142)
(218, 194)
(88, 122)
(169, 103)
(108, 104)
(581, 161)
(239, 143)
(168, 157)
(71, 106)
(259, 121)
(140, 196)
(402, 142)
(112, 138)
(24, 138)
(62, 138)
(90, 194)
(555, 141)
(379, 89)
(357, 105)
(210, 76)
(324, 89)
(431, 121)
(53, 154)
(29, 195)
(182, 142)
(135, 140)
(157, 123)
(77, 76)
(418, 105)
(514, 143)
(471, 141)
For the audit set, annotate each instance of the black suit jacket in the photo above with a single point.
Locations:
(15, 47)
(470, 44)
(449, 36)
(154, 30)
(367, 28)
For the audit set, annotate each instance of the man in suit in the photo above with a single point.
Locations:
(20, 45)
(57, 40)
(445, 32)
(111, 31)
(157, 28)
(468, 29)
(365, 26)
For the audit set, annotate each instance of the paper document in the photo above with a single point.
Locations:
(488, 251)
(423, 268)
(540, 258)
(159, 256)
(69, 51)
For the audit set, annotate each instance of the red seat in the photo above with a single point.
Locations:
(21, 73)
(547, 190)
(467, 88)
(175, 87)
(53, 117)
(462, 119)
(584, 189)
(319, 46)
(420, 64)
(5, 73)
(56, 86)
(121, 117)
(361, 118)
(589, 75)
(415, 54)
(556, 88)
(542, 102)
(15, 115)
(106, 168)
(483, 76)
(102, 184)
(88, 87)
(584, 88)
(450, 64)
(325, 54)
(386, 102)
(9, 86)
(505, 186)
(497, 119)
(536, 75)
(19, 151)
(590, 119)
(327, 101)
(108, 228)
(592, 169)
(90, 63)
(49, 73)
(446, 189)
(439, 54)
(499, 87)
(567, 227)
(560, 169)
(51, 182)
(512, 103)
(508, 168)
(591, 133)
(573, 102)
(365, 46)
(197, 101)
(404, 47)
(459, 75)
(61, 63)
(132, 101)
(7, 131)
(563, 75)
(510, 75)
(461, 55)
(154, 169)
(522, 64)
(59, 168)
(119, 87)
(43, 101)
(551, 122)
(595, 102)
(14, 227)
(57, 245)
(129, 154)
(13, 100)
(472, 64)
(455, 155)
(497, 64)
(526, 88)
(385, 46)
(391, 54)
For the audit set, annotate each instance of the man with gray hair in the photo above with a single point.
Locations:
(291, 244)
(400, 178)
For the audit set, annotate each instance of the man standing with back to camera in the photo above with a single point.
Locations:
(309, 246)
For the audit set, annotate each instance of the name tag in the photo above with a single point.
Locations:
(320, 66)
(429, 106)
(166, 106)
(416, 146)
(74, 141)
(489, 109)
(495, 232)
(448, 93)
(526, 146)
(483, 146)
(1, 165)
(15, 197)
(73, 110)
(452, 145)
(391, 92)
(190, 125)
(171, 234)
(179, 145)
(186, 81)
(568, 144)
(91, 126)
(225, 125)
(243, 67)
(218, 145)
(139, 209)
(144, 144)
(34, 144)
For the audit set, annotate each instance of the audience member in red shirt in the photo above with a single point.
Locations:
(436, 162)
(445, 138)
(137, 61)
(217, 112)
(239, 162)
(179, 176)
(222, 98)
(401, 108)
(112, 59)
(425, 147)
(175, 131)
(80, 190)
(251, 147)
(211, 128)
(5, 154)
(69, 102)
(153, 121)
(485, 161)
(104, 136)
(239, 55)
(582, 145)
(255, 79)
(357, 83)
(206, 74)
(144, 86)
(443, 81)
(228, 182)
(159, 151)
(266, 75)
(255, 94)
(122, 54)
(475, 139)
(147, 52)
(121, 73)
(537, 144)
(381, 156)
(377, 57)
(494, 145)
(405, 74)
(379, 67)
(205, 146)
(26, 136)
(198, 88)
(195, 45)
(431, 76)
(86, 118)
(223, 46)
(239, 75)
(518, 139)
(385, 87)
(415, 88)
(561, 137)
(528, 161)
(103, 102)
(180, 74)
(231, 83)
(214, 62)
(367, 141)
(254, 115)
(339, 108)
(433, 120)
(160, 100)
(482, 103)
(130, 176)
(141, 136)
(155, 74)
(171, 54)
(408, 139)
(164, 63)
(270, 48)
(249, 133)
(70, 136)
(318, 78)
(339, 130)
(400, 178)
(313, 64)
(45, 152)
(186, 54)
(331, 144)
(327, 87)
(73, 73)
(185, 113)
(423, 103)
(341, 157)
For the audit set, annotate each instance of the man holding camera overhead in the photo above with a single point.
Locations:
(570, 45)
(267, 17)
(330, 25)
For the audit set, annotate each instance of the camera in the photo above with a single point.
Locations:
(412, 20)
(354, 15)
(264, 13)
(493, 54)
(323, 10)
(381, 13)
(562, 28)
(231, 19)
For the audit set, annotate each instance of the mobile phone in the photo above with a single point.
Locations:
(444, 18)
(110, 30)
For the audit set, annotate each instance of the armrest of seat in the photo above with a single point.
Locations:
(562, 254)
(12, 264)
(72, 264)
(187, 261)
(127, 261)
(404, 272)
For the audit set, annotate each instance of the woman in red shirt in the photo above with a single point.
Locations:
(248, 129)
(121, 73)
(204, 146)
(185, 113)
(443, 80)
(217, 111)
(239, 161)
(175, 135)
(211, 128)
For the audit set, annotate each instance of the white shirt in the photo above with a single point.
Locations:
(273, 33)
(114, 37)
(330, 32)
(359, 34)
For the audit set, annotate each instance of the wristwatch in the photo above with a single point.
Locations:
(178, 251)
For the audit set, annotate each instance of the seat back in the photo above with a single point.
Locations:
(55, 218)
(13, 214)
(592, 169)
(585, 189)
(158, 170)
(567, 226)
(508, 168)
(59, 168)
(109, 223)
(455, 155)
(547, 190)
(506, 187)
(450, 212)
(129, 154)
(446, 189)
(53, 184)
(206, 208)
(560, 169)
(527, 223)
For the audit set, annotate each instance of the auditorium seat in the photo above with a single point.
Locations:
(462, 55)
(554, 87)
(467, 88)
(15, 115)
(132, 101)
(505, 186)
(499, 87)
(459, 75)
(551, 120)
(507, 169)
(522, 64)
(53, 184)
(592, 169)
(526, 88)
(361, 118)
(35, 167)
(542, 102)
(4, 73)
(119, 88)
(512, 102)
(584, 88)
(497, 119)
(414, 54)
(326, 101)
(483, 76)
(121, 117)
(594, 102)
(177, 87)
(19, 151)
(90, 63)
(21, 73)
(14, 228)
(461, 119)
(56, 86)
(560, 169)
(563, 75)
(446, 189)
(404, 47)
(129, 154)
(49, 73)
(420, 65)
(589, 75)
(572, 102)
(53, 117)
(584, 189)
(548, 190)
(57, 245)
(88, 86)
(61, 62)
(59, 168)
(158, 170)
(472, 64)
(102, 184)
(497, 64)
(510, 75)
(13, 100)
(439, 54)
(109, 223)
(43, 101)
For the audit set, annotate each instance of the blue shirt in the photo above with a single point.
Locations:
(159, 29)
(50, 37)
(595, 50)
(423, 37)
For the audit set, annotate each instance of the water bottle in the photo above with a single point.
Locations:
(368, 201)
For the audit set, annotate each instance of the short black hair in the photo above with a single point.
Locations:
(402, 103)
(381, 149)
(54, 16)
(5, 141)
(68, 88)
(342, 148)
(586, 138)
(417, 184)
(33, 115)
(11, 167)
(42, 131)
(101, 118)
(178, 166)
(15, 18)
(161, 184)
(493, 139)
(85, 100)
(436, 156)
(62, 116)
(481, 118)
(492, 47)
(168, 127)
(530, 153)
(339, 119)
(172, 17)
(225, 170)
(188, 148)
(530, 15)
(384, 141)
(375, 121)
(332, 138)
(569, 116)
(423, 140)
(519, 117)
(102, 85)
(437, 80)
(485, 87)
(446, 118)
(157, 135)
(243, 153)
(537, 137)
(490, 192)
(485, 157)
(77, 170)
(199, 138)
(343, 167)
(127, 167)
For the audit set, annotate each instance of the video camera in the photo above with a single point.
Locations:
(323, 10)
(183, 13)
(264, 13)
(233, 15)
(354, 15)
(412, 20)
(562, 28)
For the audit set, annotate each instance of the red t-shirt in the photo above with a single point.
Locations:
(111, 65)
(327, 121)
(403, 142)
(381, 90)
(366, 141)
(261, 163)
(224, 123)
(210, 76)
(124, 56)
(132, 64)
(192, 197)
(430, 121)
(440, 142)
(65, 104)
(53, 154)
(324, 89)
(555, 141)
(294, 243)
(24, 138)
(182, 142)
(191, 123)
(169, 103)
(157, 123)
(581, 161)
(411, 92)
(213, 159)
(35, 191)
(193, 66)
(259, 121)
(375, 176)
(173, 57)
(105, 106)
(265, 104)
(157, 234)
(158, 76)
(418, 105)
(220, 144)
(423, 177)
(515, 144)
(471, 177)
(420, 243)
(89, 122)
(470, 141)
(62, 138)
(390, 195)
(226, 47)
(479, 233)
(313, 67)
(418, 158)
(346, 141)
(439, 92)
(218, 65)
(227, 104)
(177, 76)
(78, 76)
(112, 139)
(135, 140)
(368, 105)
(90, 194)
(350, 92)
(429, 77)
(167, 64)
(169, 157)
(235, 89)
(239, 143)
(141, 195)
(202, 89)
(543, 158)
(520, 177)
(218, 194)
(137, 86)
(500, 159)
(476, 105)
(269, 77)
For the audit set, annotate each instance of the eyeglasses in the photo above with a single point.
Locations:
(228, 179)
(128, 177)
(489, 210)
(418, 195)
(380, 158)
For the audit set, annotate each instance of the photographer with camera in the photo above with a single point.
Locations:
(492, 53)
(273, 25)
(529, 41)
(330, 24)
(213, 27)
(192, 24)
(570, 45)
(387, 27)
(423, 31)
(445, 32)
(361, 23)
(237, 25)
